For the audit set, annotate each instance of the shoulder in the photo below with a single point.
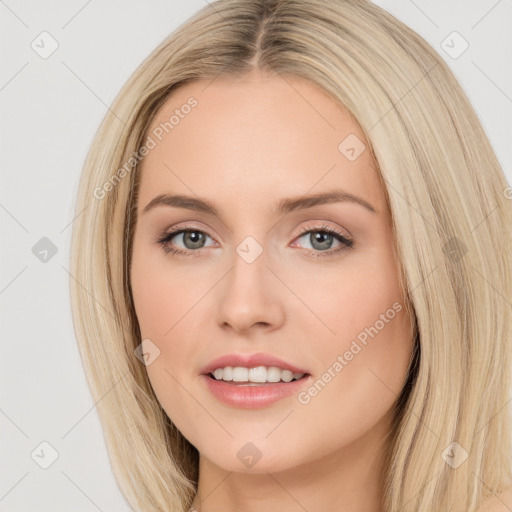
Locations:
(500, 503)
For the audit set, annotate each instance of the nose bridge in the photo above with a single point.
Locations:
(250, 292)
(250, 250)
(248, 277)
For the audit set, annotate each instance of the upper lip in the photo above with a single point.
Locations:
(249, 361)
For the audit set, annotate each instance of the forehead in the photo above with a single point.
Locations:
(259, 136)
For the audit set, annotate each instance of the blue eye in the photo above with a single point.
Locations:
(320, 238)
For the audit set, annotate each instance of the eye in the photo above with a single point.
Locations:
(191, 237)
(321, 239)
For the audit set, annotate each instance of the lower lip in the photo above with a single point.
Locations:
(253, 397)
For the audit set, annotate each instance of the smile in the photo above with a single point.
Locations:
(256, 375)
(253, 388)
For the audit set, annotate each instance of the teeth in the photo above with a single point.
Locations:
(240, 374)
(218, 374)
(259, 374)
(274, 374)
(225, 373)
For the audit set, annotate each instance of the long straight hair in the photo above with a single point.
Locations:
(451, 443)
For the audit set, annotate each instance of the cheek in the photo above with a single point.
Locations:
(164, 295)
(359, 299)
(163, 300)
(375, 337)
(364, 359)
(366, 371)
(372, 314)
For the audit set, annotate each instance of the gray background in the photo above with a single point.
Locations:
(50, 110)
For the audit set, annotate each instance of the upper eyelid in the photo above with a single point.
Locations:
(324, 226)
(305, 228)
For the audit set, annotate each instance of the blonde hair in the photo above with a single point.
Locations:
(451, 220)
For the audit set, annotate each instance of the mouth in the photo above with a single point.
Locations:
(255, 376)
(255, 387)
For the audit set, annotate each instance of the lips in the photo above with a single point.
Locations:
(254, 396)
(250, 361)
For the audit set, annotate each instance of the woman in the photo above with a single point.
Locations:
(285, 291)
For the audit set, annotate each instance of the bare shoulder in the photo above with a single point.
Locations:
(500, 503)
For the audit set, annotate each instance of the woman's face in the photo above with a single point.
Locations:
(279, 163)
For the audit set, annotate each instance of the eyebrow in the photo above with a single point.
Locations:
(282, 207)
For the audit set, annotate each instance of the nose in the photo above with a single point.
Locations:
(250, 297)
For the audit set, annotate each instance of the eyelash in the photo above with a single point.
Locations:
(347, 244)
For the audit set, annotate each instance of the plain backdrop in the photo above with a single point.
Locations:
(51, 107)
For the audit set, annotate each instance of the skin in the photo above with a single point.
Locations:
(248, 143)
